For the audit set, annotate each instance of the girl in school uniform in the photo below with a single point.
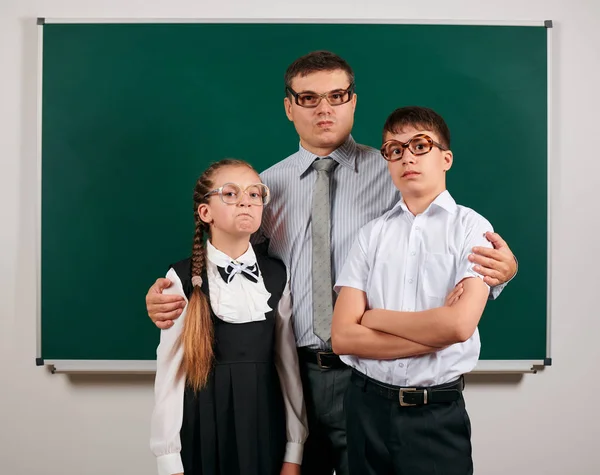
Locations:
(228, 394)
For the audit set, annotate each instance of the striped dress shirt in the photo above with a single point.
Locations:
(361, 190)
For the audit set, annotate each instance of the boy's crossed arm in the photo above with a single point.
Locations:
(436, 327)
(350, 337)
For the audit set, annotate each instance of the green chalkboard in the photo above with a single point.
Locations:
(132, 113)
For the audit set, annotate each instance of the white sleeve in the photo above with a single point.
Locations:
(286, 362)
(474, 236)
(355, 272)
(169, 390)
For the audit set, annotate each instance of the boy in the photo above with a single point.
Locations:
(407, 415)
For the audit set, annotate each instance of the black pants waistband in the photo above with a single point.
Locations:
(411, 396)
(322, 358)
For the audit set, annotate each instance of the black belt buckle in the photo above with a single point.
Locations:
(320, 362)
(410, 390)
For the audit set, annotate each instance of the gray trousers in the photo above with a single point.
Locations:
(325, 449)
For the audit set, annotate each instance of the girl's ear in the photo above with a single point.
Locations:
(204, 213)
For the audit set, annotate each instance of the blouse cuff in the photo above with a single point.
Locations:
(293, 453)
(169, 464)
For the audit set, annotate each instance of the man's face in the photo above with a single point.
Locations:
(324, 128)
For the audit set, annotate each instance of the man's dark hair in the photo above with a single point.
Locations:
(314, 62)
(417, 118)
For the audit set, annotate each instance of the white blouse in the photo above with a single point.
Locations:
(230, 302)
(250, 302)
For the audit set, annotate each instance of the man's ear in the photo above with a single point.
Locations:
(287, 104)
(204, 213)
(448, 160)
(354, 99)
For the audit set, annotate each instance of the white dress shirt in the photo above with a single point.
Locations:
(410, 263)
(230, 302)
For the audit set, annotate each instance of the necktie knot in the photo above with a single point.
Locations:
(249, 271)
(324, 164)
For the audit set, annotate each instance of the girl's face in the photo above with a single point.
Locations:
(238, 220)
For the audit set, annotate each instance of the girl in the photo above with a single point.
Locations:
(227, 385)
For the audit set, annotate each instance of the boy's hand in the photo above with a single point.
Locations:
(497, 265)
(163, 309)
(290, 469)
(454, 295)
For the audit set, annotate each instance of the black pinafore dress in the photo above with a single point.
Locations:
(235, 425)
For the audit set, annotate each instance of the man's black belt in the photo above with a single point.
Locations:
(416, 396)
(322, 358)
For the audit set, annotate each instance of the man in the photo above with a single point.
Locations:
(321, 196)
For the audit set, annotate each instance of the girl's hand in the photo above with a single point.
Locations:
(290, 469)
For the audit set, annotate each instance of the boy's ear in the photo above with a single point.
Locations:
(448, 160)
(204, 213)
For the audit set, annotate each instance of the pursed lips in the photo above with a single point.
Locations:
(325, 123)
(409, 173)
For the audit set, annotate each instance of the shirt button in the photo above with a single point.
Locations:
(410, 281)
(417, 228)
(412, 253)
(401, 365)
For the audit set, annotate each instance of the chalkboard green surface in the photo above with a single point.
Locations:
(132, 114)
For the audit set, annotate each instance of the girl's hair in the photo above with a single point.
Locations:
(197, 337)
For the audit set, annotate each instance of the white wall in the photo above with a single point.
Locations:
(539, 424)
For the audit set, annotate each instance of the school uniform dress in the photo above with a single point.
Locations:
(410, 263)
(250, 417)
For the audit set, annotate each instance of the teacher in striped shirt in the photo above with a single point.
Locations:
(321, 196)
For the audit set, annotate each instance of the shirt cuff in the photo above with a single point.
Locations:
(169, 464)
(293, 453)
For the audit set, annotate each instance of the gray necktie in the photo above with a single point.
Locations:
(321, 251)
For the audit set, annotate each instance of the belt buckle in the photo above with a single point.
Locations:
(407, 390)
(319, 363)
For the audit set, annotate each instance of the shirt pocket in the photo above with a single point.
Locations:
(438, 275)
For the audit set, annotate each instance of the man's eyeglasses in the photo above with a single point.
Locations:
(310, 99)
(232, 193)
(420, 144)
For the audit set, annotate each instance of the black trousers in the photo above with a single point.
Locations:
(385, 438)
(325, 449)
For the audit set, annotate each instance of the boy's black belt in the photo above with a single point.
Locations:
(417, 396)
(324, 359)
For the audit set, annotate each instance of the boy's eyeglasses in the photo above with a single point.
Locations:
(420, 144)
(232, 193)
(311, 99)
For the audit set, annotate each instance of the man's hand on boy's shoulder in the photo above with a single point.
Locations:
(497, 265)
(163, 308)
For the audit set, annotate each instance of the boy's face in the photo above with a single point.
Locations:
(324, 127)
(419, 175)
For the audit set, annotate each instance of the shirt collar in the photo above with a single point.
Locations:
(221, 259)
(345, 155)
(444, 200)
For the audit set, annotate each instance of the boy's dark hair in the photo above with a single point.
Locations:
(418, 118)
(314, 62)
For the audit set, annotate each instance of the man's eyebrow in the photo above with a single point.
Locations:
(332, 90)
